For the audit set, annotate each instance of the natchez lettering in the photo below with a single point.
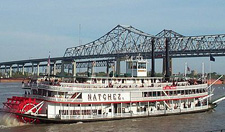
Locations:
(104, 97)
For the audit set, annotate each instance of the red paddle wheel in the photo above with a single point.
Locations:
(23, 105)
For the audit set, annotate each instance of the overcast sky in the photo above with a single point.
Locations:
(32, 28)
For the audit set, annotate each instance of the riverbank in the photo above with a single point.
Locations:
(217, 82)
(13, 80)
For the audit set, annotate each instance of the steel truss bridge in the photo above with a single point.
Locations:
(127, 40)
(124, 41)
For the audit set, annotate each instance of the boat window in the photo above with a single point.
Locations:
(145, 94)
(175, 92)
(50, 94)
(154, 94)
(34, 92)
(197, 91)
(141, 65)
(132, 66)
(189, 91)
(182, 92)
(40, 91)
(159, 93)
(150, 94)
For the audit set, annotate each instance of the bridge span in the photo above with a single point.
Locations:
(121, 42)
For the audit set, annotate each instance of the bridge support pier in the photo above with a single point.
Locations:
(88, 70)
(153, 58)
(62, 69)
(107, 68)
(10, 71)
(23, 69)
(54, 68)
(171, 62)
(170, 66)
(38, 69)
(74, 69)
(18, 68)
(32, 69)
(5, 69)
(92, 70)
(167, 59)
(118, 66)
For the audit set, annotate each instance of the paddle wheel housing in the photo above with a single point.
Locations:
(23, 105)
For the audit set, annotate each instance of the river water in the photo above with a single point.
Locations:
(198, 122)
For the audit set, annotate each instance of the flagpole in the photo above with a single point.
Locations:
(210, 78)
(49, 66)
(185, 69)
(203, 70)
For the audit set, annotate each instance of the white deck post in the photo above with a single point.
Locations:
(102, 109)
(187, 104)
(130, 109)
(164, 107)
(91, 112)
(180, 104)
(207, 102)
(112, 110)
(69, 110)
(172, 106)
(80, 112)
(121, 109)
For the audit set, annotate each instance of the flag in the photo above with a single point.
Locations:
(211, 58)
(188, 68)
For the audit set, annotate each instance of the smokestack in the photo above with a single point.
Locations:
(153, 58)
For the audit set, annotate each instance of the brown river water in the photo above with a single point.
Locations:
(198, 122)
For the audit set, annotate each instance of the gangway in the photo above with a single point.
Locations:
(218, 99)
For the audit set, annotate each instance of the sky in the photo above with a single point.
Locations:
(33, 28)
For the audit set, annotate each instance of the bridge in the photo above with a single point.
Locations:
(121, 42)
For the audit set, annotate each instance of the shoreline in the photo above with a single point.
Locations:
(13, 80)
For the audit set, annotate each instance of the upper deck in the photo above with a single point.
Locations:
(116, 84)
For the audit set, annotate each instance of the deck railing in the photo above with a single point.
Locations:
(124, 115)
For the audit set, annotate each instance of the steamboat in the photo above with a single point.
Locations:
(86, 99)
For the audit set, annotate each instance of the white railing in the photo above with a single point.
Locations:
(169, 97)
(84, 86)
(123, 115)
(55, 99)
